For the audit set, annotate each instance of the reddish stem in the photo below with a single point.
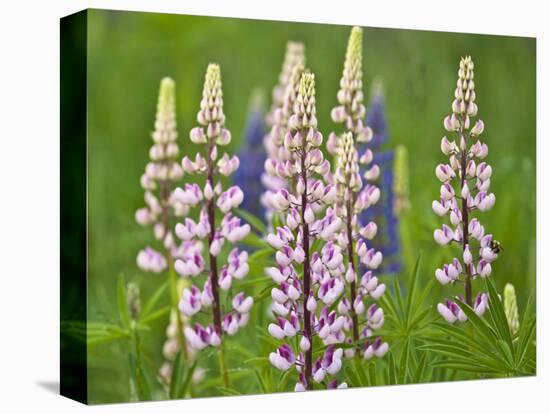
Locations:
(307, 281)
(353, 293)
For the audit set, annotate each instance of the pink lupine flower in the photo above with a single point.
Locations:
(283, 358)
(304, 277)
(354, 194)
(464, 191)
(150, 260)
(284, 95)
(210, 135)
(163, 205)
(161, 173)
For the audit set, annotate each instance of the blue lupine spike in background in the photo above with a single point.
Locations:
(252, 157)
(376, 115)
(387, 239)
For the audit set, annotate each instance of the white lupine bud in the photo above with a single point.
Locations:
(467, 256)
(305, 345)
(309, 216)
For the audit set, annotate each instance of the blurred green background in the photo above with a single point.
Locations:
(129, 52)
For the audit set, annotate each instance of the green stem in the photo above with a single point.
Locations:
(175, 308)
(223, 366)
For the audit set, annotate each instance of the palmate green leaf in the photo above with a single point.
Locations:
(261, 383)
(411, 298)
(175, 380)
(506, 352)
(404, 362)
(527, 332)
(187, 381)
(228, 391)
(455, 354)
(360, 371)
(143, 387)
(468, 367)
(479, 324)
(99, 340)
(100, 333)
(399, 300)
(390, 308)
(215, 381)
(491, 333)
(285, 377)
(353, 379)
(459, 336)
(151, 303)
(122, 302)
(392, 369)
(420, 369)
(447, 349)
(253, 240)
(491, 354)
(235, 348)
(257, 361)
(257, 281)
(159, 313)
(251, 219)
(263, 295)
(260, 256)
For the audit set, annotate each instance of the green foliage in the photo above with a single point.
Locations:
(484, 345)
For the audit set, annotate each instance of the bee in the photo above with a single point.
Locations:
(495, 246)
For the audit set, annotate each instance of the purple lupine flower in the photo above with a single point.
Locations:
(162, 207)
(353, 199)
(284, 96)
(252, 157)
(307, 282)
(464, 190)
(376, 116)
(386, 213)
(211, 135)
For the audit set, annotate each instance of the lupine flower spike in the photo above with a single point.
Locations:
(308, 282)
(386, 212)
(284, 96)
(352, 199)
(511, 308)
(401, 181)
(465, 179)
(161, 174)
(211, 135)
(252, 157)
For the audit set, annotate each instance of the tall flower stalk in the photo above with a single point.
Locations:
(252, 157)
(211, 199)
(162, 208)
(284, 96)
(309, 282)
(352, 200)
(464, 192)
(511, 308)
(393, 176)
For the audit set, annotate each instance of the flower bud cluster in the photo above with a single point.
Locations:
(192, 262)
(465, 190)
(161, 173)
(511, 308)
(170, 349)
(351, 111)
(284, 97)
